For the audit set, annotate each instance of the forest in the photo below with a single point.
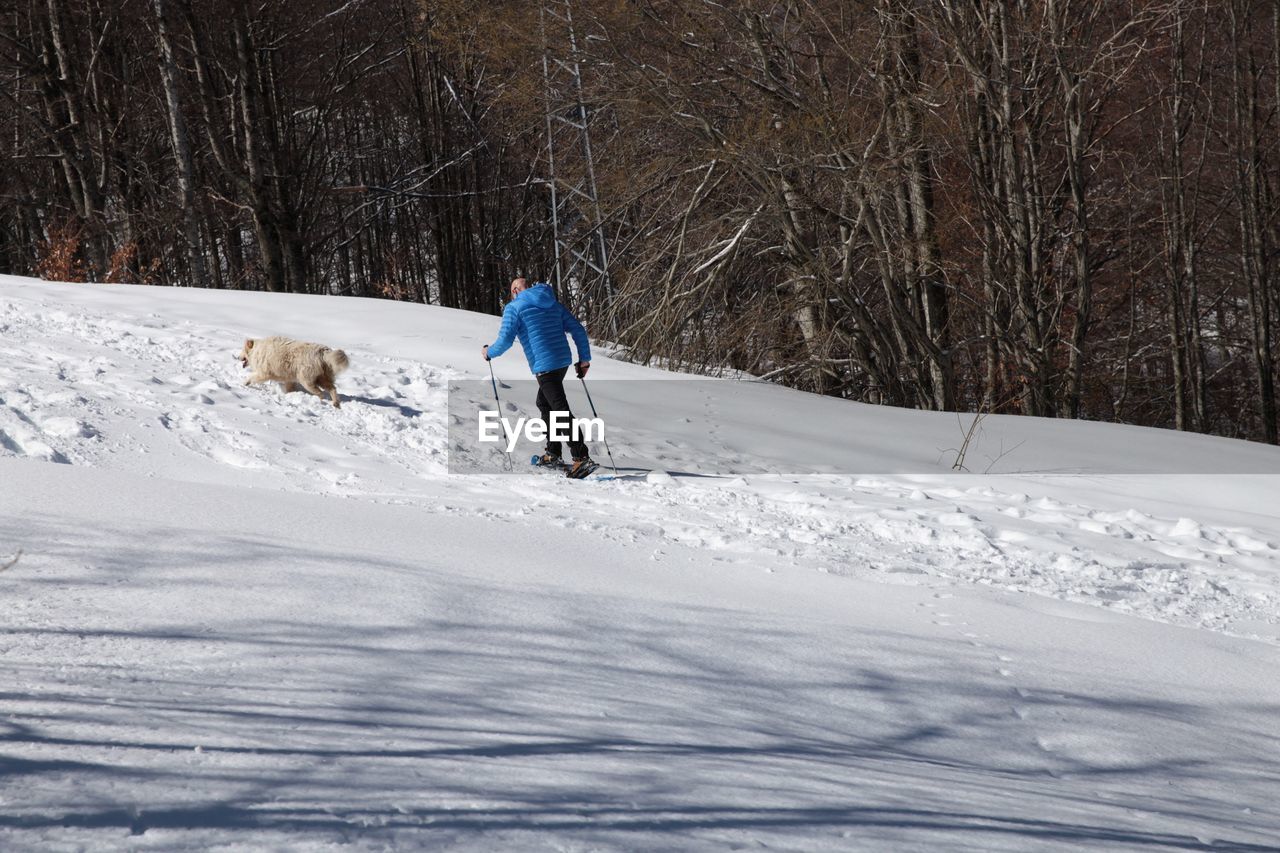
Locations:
(1056, 208)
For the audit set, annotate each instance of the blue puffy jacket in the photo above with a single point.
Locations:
(540, 322)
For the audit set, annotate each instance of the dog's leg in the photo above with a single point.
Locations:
(288, 387)
(254, 379)
(325, 383)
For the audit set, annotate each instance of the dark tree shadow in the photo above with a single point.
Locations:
(493, 709)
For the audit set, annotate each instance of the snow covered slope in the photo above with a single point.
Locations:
(244, 620)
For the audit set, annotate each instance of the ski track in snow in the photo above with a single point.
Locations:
(68, 378)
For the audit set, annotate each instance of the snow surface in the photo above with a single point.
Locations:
(244, 620)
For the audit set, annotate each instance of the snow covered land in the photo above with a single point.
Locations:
(244, 620)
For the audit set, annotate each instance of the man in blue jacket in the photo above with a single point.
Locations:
(540, 322)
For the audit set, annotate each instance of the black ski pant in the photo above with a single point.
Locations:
(551, 398)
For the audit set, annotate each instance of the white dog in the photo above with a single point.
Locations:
(293, 363)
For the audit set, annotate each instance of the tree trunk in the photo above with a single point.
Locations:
(181, 152)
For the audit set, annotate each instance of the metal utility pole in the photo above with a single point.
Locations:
(581, 250)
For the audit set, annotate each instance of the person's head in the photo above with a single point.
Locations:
(518, 286)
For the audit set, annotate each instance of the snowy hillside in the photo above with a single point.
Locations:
(246, 620)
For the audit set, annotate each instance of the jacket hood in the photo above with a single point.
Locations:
(540, 295)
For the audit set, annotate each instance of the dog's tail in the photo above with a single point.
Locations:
(336, 359)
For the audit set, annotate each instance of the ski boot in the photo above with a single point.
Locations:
(548, 460)
(580, 468)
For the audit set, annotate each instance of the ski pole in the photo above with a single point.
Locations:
(603, 435)
(510, 464)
